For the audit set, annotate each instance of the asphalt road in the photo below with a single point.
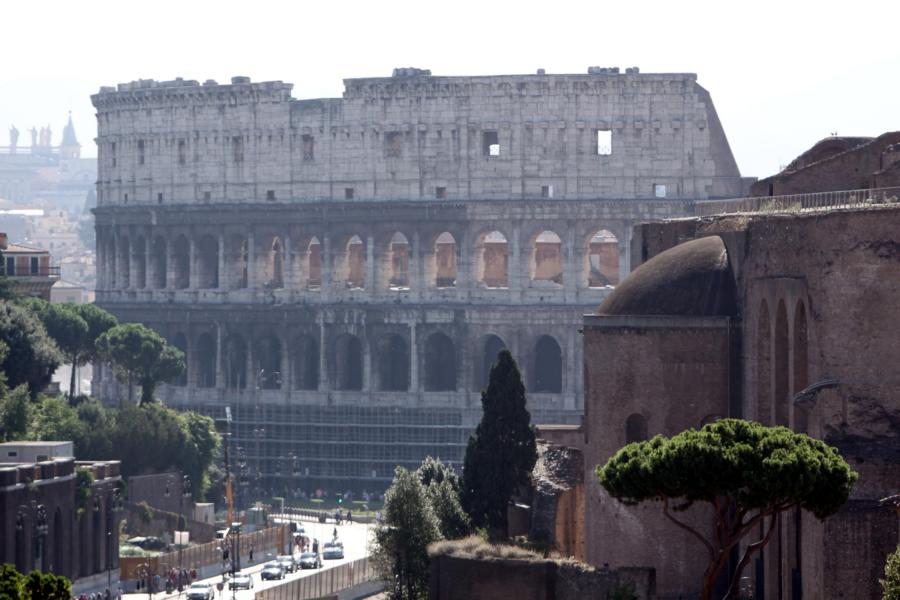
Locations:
(353, 535)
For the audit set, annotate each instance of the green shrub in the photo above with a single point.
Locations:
(891, 581)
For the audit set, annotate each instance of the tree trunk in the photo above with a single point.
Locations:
(72, 380)
(130, 388)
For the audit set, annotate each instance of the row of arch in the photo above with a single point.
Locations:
(271, 364)
(238, 261)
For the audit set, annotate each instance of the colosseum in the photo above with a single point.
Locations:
(341, 272)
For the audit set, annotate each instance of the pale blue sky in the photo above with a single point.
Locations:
(782, 74)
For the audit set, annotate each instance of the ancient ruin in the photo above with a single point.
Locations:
(341, 272)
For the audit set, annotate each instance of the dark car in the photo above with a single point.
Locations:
(286, 562)
(201, 591)
(310, 560)
(241, 581)
(333, 550)
(272, 570)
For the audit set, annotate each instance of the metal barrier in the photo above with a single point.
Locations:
(323, 583)
(795, 203)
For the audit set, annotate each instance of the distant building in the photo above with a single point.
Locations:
(28, 268)
(42, 525)
(66, 291)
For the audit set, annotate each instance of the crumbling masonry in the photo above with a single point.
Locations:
(341, 272)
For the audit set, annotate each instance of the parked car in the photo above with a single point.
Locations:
(241, 581)
(201, 591)
(272, 570)
(286, 562)
(310, 560)
(333, 550)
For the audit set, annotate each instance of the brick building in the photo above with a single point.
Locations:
(736, 315)
(44, 526)
(27, 268)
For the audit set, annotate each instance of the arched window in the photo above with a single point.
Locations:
(547, 365)
(348, 363)
(306, 364)
(399, 267)
(124, 261)
(180, 342)
(443, 261)
(393, 364)
(492, 346)
(492, 267)
(355, 264)
(181, 256)
(139, 251)
(314, 265)
(270, 262)
(635, 428)
(235, 362)
(158, 263)
(208, 262)
(268, 362)
(782, 391)
(603, 259)
(205, 361)
(440, 364)
(546, 259)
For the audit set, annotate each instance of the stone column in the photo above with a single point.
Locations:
(251, 260)
(251, 366)
(190, 361)
(465, 271)
(572, 258)
(193, 279)
(289, 278)
(514, 264)
(223, 282)
(324, 382)
(220, 363)
(416, 268)
(325, 289)
(414, 359)
(625, 252)
(285, 367)
(170, 263)
(367, 363)
(132, 262)
(371, 286)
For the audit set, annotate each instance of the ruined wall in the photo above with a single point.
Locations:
(652, 386)
(413, 136)
(557, 504)
(471, 578)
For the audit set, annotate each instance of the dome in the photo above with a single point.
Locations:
(691, 279)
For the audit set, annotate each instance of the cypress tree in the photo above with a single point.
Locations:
(501, 452)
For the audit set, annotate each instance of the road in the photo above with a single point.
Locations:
(353, 535)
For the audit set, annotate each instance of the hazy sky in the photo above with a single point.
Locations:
(782, 74)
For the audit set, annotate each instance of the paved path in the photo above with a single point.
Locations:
(353, 535)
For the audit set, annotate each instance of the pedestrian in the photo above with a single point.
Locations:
(334, 535)
(349, 516)
(251, 553)
(315, 545)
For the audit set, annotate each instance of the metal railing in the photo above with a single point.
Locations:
(795, 203)
(323, 583)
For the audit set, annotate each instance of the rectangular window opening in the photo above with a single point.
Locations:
(159, 198)
(546, 191)
(140, 152)
(659, 190)
(393, 144)
(309, 148)
(348, 193)
(270, 195)
(34, 265)
(490, 143)
(440, 192)
(207, 196)
(182, 157)
(604, 142)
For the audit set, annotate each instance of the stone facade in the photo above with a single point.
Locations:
(342, 272)
(814, 292)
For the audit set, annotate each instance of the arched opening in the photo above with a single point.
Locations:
(237, 258)
(603, 259)
(492, 261)
(124, 261)
(348, 367)
(267, 353)
(158, 263)
(180, 342)
(440, 364)
(58, 558)
(21, 550)
(355, 267)
(205, 361)
(314, 264)
(272, 263)
(393, 364)
(139, 252)
(444, 261)
(181, 257)
(782, 393)
(97, 527)
(547, 365)
(635, 428)
(208, 262)
(801, 365)
(306, 364)
(399, 267)
(235, 362)
(492, 346)
(764, 366)
(546, 260)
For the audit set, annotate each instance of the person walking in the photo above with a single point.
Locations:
(349, 516)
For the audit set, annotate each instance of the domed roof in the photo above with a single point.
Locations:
(691, 279)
